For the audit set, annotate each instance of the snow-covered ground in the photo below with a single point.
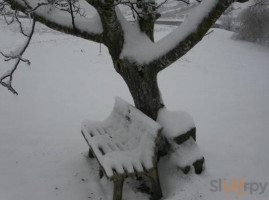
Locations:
(222, 83)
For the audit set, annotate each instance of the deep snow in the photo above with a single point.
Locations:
(222, 83)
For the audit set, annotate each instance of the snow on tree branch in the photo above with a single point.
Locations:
(161, 54)
(125, 41)
(61, 15)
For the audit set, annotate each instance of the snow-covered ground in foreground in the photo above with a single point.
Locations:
(222, 83)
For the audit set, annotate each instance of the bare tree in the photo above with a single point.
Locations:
(136, 62)
(134, 53)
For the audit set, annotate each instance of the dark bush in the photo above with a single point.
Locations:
(254, 23)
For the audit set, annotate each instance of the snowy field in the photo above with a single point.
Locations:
(222, 83)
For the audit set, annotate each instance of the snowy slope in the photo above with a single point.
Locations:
(222, 83)
(174, 9)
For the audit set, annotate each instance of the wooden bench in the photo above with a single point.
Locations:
(125, 145)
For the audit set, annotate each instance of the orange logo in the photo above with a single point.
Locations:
(237, 188)
(234, 188)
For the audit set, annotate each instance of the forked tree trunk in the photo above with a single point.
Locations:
(143, 86)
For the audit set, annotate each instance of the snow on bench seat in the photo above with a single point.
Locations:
(124, 143)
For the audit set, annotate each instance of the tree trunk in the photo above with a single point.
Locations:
(143, 87)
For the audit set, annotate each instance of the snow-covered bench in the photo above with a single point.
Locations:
(125, 145)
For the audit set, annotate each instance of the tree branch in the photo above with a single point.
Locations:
(90, 29)
(113, 35)
(18, 58)
(191, 39)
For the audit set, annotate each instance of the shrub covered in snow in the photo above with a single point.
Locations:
(227, 22)
(254, 23)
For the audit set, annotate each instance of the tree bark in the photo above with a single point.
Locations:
(143, 86)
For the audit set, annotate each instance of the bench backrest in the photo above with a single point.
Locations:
(128, 119)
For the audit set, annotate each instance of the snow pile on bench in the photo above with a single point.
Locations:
(125, 142)
(175, 123)
(179, 129)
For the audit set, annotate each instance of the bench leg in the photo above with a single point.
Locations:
(90, 154)
(198, 165)
(101, 173)
(155, 183)
(118, 184)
